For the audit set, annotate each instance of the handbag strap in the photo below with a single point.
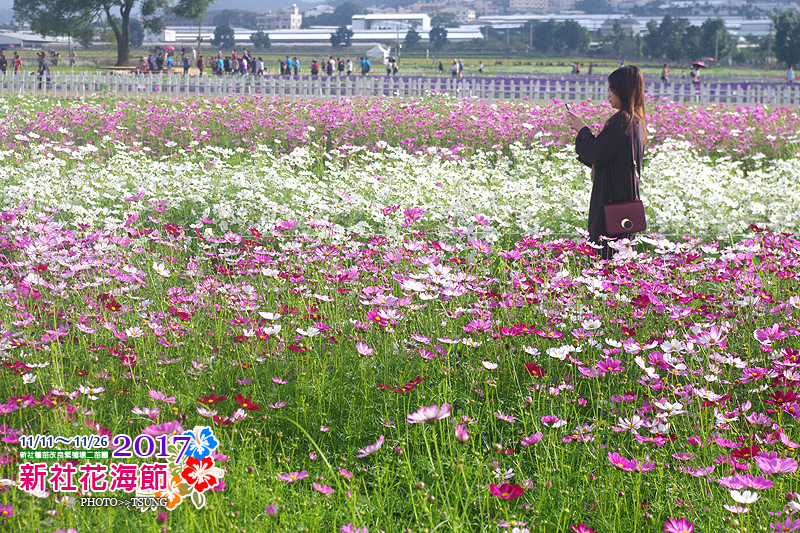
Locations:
(635, 173)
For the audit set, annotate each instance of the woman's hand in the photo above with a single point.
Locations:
(575, 121)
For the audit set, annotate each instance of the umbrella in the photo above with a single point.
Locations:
(169, 48)
(699, 64)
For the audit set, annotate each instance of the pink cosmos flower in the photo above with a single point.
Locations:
(744, 481)
(610, 365)
(770, 334)
(621, 462)
(146, 411)
(167, 428)
(426, 414)
(372, 448)
(532, 439)
(462, 433)
(787, 525)
(291, 477)
(769, 463)
(364, 349)
(324, 489)
(678, 525)
(161, 397)
(582, 528)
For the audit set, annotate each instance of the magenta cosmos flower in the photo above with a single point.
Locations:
(426, 414)
(681, 525)
(506, 491)
(291, 477)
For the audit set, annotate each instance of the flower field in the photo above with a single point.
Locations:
(384, 316)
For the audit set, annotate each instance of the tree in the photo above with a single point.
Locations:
(692, 43)
(652, 41)
(342, 37)
(57, 17)
(715, 40)
(787, 37)
(573, 37)
(617, 38)
(412, 39)
(137, 33)
(668, 39)
(444, 19)
(438, 37)
(260, 40)
(47, 21)
(193, 10)
(544, 35)
(224, 37)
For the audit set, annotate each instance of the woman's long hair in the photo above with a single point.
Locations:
(627, 84)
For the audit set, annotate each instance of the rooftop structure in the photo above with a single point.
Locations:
(392, 22)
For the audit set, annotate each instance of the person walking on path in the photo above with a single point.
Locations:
(615, 154)
(665, 73)
(43, 72)
(790, 74)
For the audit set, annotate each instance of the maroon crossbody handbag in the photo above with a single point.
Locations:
(626, 217)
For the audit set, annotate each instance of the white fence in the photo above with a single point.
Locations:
(175, 86)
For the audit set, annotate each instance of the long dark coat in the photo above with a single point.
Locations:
(611, 154)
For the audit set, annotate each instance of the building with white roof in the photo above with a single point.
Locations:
(392, 22)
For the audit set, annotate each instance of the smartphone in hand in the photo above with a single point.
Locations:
(569, 108)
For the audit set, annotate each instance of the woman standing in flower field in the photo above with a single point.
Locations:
(609, 153)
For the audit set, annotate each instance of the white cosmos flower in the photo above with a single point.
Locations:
(29, 378)
(488, 365)
(161, 269)
(310, 332)
(745, 496)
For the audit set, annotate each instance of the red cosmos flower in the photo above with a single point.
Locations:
(246, 403)
(211, 399)
(506, 491)
(745, 452)
(535, 370)
(198, 474)
(113, 305)
(779, 397)
(222, 421)
(182, 315)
